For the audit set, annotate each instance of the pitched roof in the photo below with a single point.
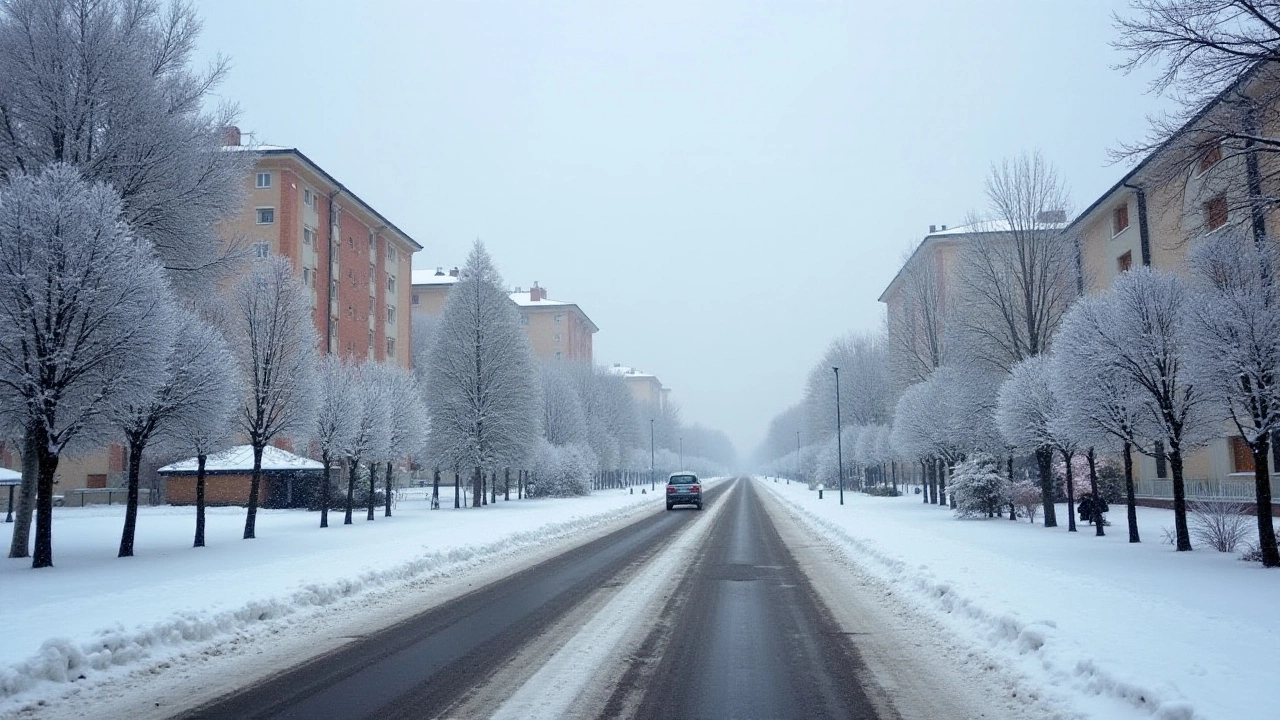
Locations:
(240, 458)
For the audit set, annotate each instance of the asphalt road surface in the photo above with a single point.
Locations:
(741, 634)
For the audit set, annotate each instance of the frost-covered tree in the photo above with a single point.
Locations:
(275, 341)
(917, 338)
(333, 423)
(1099, 406)
(82, 328)
(366, 440)
(484, 395)
(866, 388)
(108, 87)
(564, 421)
(1234, 335)
(197, 387)
(979, 487)
(406, 424)
(1140, 330)
(1018, 273)
(1026, 414)
(560, 471)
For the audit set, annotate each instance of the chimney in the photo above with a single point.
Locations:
(453, 272)
(231, 136)
(439, 271)
(535, 292)
(933, 229)
(944, 228)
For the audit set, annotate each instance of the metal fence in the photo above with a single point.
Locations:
(1235, 490)
(79, 497)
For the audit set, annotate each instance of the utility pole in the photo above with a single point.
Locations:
(652, 486)
(797, 457)
(839, 440)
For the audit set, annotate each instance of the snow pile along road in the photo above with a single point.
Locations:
(1105, 628)
(93, 614)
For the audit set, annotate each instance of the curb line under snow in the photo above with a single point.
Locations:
(63, 660)
(1003, 631)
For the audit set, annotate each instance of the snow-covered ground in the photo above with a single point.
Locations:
(1104, 628)
(97, 616)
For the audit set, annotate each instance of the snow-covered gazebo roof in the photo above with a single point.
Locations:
(10, 477)
(240, 459)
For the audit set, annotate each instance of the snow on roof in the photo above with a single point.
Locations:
(991, 226)
(522, 299)
(9, 477)
(432, 277)
(625, 371)
(240, 457)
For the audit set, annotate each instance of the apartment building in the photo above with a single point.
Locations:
(646, 389)
(356, 262)
(557, 329)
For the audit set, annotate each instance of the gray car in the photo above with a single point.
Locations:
(684, 488)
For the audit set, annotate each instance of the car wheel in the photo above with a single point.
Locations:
(699, 506)
(669, 506)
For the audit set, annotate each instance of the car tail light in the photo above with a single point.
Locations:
(671, 489)
(694, 488)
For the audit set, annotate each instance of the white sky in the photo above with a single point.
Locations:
(723, 186)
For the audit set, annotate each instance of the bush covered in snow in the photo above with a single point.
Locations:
(1027, 497)
(978, 487)
(1220, 525)
(561, 471)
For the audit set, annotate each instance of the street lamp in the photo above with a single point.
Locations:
(839, 440)
(652, 486)
(797, 458)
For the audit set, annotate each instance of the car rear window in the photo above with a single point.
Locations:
(683, 480)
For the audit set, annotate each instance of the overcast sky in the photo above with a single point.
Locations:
(723, 186)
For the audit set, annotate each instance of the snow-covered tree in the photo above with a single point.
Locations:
(275, 346)
(406, 424)
(199, 379)
(367, 439)
(866, 388)
(979, 486)
(1099, 405)
(1139, 330)
(1234, 336)
(1018, 273)
(916, 339)
(82, 329)
(484, 395)
(564, 421)
(560, 471)
(108, 87)
(334, 421)
(1026, 414)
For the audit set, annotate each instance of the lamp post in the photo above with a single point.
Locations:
(652, 486)
(839, 440)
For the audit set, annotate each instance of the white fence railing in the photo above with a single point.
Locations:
(1232, 489)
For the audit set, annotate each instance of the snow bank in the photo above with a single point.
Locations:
(1113, 630)
(90, 613)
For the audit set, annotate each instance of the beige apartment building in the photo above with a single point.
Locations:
(646, 389)
(557, 330)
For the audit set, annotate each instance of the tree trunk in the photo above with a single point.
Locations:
(48, 463)
(1044, 463)
(131, 500)
(251, 518)
(387, 490)
(1179, 499)
(373, 489)
(1013, 507)
(942, 482)
(1071, 493)
(1098, 518)
(352, 465)
(457, 490)
(477, 491)
(924, 484)
(20, 544)
(1262, 491)
(506, 485)
(493, 487)
(324, 492)
(1130, 502)
(435, 489)
(200, 460)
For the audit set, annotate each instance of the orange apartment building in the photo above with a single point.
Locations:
(355, 261)
(557, 330)
(646, 389)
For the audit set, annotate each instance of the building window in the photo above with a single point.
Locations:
(524, 319)
(391, 284)
(391, 347)
(306, 276)
(266, 215)
(1124, 262)
(372, 272)
(557, 337)
(261, 249)
(308, 235)
(1241, 455)
(559, 318)
(351, 242)
(1119, 219)
(391, 253)
(1215, 213)
(415, 298)
(263, 181)
(308, 197)
(370, 341)
(559, 355)
(391, 314)
(1209, 159)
